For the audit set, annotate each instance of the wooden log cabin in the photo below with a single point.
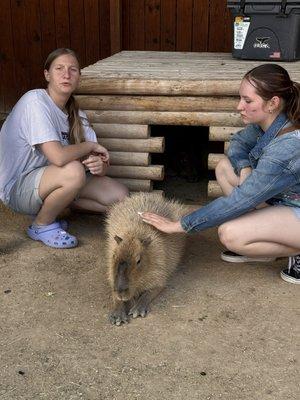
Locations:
(127, 93)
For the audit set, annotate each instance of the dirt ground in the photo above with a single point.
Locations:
(218, 331)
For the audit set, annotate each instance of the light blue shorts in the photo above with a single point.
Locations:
(296, 211)
(24, 195)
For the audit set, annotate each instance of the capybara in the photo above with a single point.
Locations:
(140, 258)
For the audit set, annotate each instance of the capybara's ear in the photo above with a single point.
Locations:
(118, 239)
(146, 241)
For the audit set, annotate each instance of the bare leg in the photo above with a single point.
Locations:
(98, 193)
(270, 231)
(226, 176)
(58, 187)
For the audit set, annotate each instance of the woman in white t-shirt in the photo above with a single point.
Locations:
(50, 158)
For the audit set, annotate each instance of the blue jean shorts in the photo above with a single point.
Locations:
(24, 195)
(296, 211)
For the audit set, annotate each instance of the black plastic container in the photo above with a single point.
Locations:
(266, 29)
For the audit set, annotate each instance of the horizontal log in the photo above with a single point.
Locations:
(151, 145)
(165, 118)
(93, 84)
(128, 158)
(214, 159)
(158, 191)
(222, 133)
(122, 131)
(137, 185)
(153, 172)
(214, 189)
(226, 147)
(157, 103)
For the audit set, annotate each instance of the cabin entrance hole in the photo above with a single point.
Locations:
(185, 161)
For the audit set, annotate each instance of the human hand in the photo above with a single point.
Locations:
(161, 223)
(244, 173)
(101, 152)
(95, 165)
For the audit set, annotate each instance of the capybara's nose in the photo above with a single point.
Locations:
(122, 286)
(122, 283)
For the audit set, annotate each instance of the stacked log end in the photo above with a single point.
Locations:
(130, 146)
(220, 134)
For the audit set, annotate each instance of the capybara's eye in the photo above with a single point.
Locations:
(138, 261)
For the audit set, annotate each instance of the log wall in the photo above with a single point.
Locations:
(125, 94)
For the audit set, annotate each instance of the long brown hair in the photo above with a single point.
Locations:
(272, 80)
(75, 122)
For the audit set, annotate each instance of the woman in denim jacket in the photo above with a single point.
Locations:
(261, 171)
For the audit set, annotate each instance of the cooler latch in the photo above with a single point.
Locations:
(282, 12)
(242, 6)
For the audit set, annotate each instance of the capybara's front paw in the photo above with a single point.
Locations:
(117, 317)
(138, 310)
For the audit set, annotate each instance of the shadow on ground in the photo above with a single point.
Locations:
(218, 331)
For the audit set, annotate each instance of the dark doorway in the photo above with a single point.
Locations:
(185, 162)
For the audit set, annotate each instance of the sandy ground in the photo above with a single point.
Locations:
(218, 331)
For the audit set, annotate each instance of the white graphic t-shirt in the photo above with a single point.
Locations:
(35, 119)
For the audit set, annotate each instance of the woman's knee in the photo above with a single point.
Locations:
(229, 235)
(118, 192)
(74, 174)
(223, 167)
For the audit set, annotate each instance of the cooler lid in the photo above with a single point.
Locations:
(264, 6)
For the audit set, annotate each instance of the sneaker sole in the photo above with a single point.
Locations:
(289, 279)
(244, 259)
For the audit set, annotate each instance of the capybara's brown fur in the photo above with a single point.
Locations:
(140, 258)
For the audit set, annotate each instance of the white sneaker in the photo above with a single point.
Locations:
(232, 257)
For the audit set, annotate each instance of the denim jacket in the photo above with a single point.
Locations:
(275, 163)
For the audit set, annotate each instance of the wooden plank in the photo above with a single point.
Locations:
(200, 25)
(48, 38)
(136, 185)
(21, 67)
(137, 24)
(7, 79)
(157, 103)
(214, 159)
(122, 131)
(217, 31)
(77, 28)
(168, 25)
(222, 133)
(165, 118)
(95, 85)
(62, 23)
(129, 158)
(184, 25)
(125, 24)
(152, 24)
(104, 23)
(33, 26)
(153, 172)
(228, 30)
(185, 67)
(115, 26)
(92, 34)
(151, 145)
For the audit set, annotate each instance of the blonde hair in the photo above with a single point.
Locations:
(75, 121)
